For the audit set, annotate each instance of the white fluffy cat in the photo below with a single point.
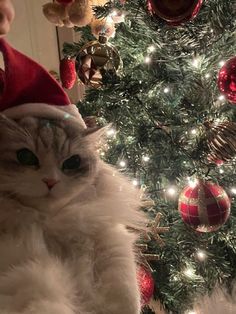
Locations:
(64, 244)
(218, 303)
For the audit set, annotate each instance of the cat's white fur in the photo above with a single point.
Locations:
(219, 302)
(64, 251)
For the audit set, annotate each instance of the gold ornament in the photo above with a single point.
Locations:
(154, 230)
(95, 59)
(221, 140)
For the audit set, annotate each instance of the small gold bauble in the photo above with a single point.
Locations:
(95, 59)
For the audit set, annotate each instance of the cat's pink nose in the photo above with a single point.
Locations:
(50, 182)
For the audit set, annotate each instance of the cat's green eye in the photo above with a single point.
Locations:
(72, 163)
(26, 157)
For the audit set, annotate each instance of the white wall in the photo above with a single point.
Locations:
(32, 34)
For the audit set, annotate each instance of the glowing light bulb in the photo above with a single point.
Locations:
(201, 255)
(111, 132)
(146, 158)
(151, 48)
(135, 182)
(147, 59)
(196, 62)
(102, 154)
(233, 190)
(208, 75)
(221, 63)
(171, 191)
(189, 272)
(192, 182)
(166, 90)
(122, 163)
(194, 131)
(221, 97)
(221, 171)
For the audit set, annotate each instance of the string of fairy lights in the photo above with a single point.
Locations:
(201, 255)
(172, 191)
(111, 133)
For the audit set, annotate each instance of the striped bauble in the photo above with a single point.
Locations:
(205, 206)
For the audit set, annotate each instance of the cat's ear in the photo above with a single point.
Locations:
(96, 136)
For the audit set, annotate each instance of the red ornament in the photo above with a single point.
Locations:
(175, 12)
(219, 162)
(67, 73)
(65, 2)
(205, 207)
(227, 80)
(215, 161)
(146, 285)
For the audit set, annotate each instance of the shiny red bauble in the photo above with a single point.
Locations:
(175, 12)
(68, 73)
(227, 80)
(205, 207)
(146, 285)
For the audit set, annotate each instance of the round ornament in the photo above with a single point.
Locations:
(175, 12)
(67, 73)
(205, 207)
(221, 140)
(146, 285)
(227, 80)
(95, 59)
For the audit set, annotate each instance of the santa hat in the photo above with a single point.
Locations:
(29, 90)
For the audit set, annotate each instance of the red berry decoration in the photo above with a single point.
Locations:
(205, 207)
(175, 12)
(67, 73)
(227, 80)
(146, 285)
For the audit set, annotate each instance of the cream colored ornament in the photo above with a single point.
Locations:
(103, 26)
(80, 12)
(77, 13)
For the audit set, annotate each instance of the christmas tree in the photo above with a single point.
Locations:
(173, 126)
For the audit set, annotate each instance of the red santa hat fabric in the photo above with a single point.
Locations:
(28, 89)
